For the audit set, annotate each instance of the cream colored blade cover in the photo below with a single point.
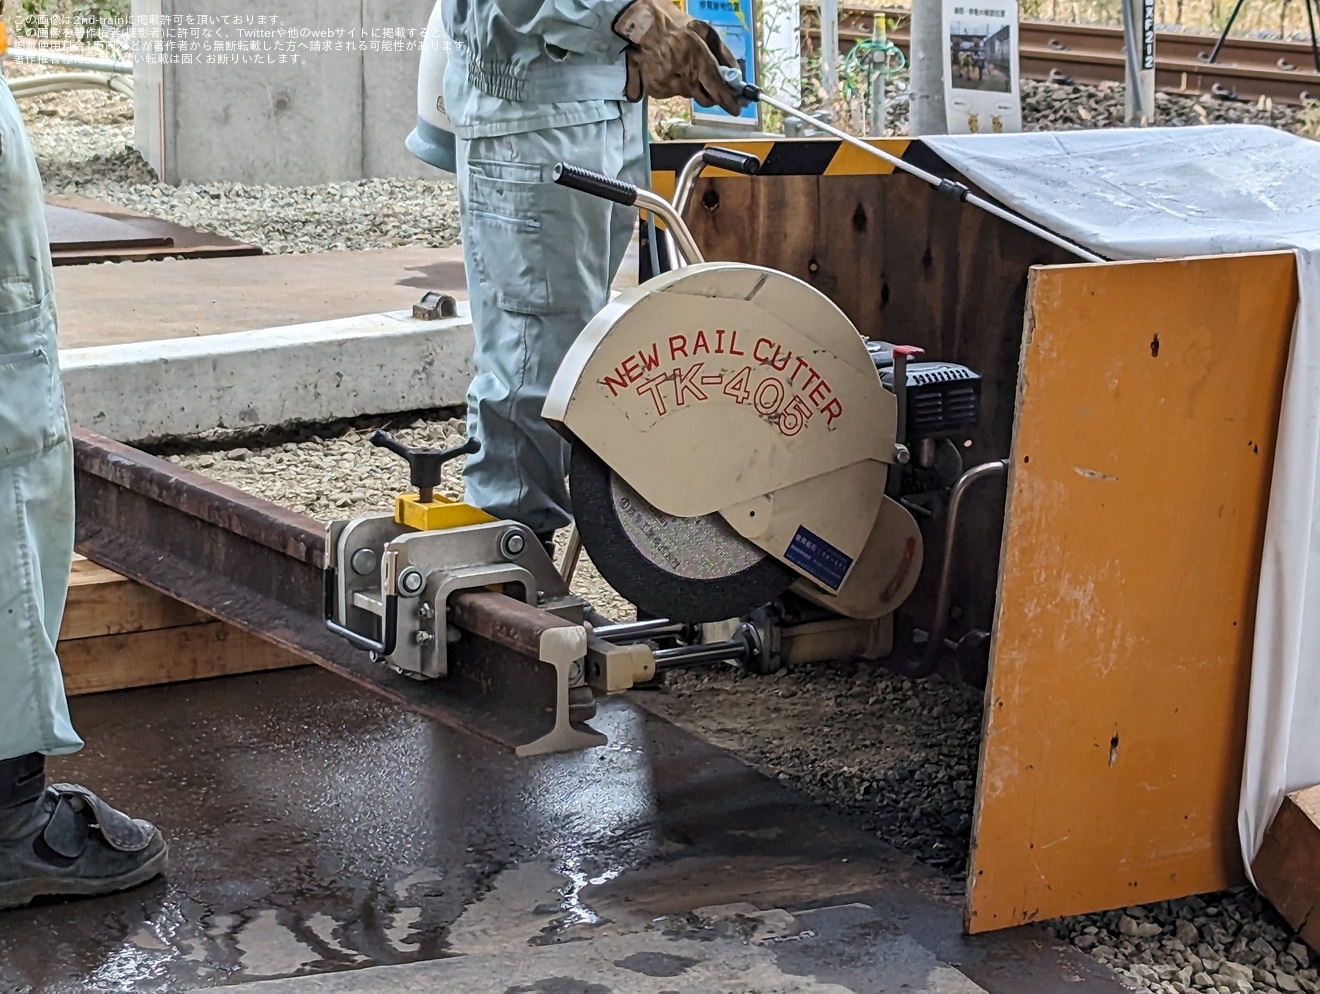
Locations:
(732, 388)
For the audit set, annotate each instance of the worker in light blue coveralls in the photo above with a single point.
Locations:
(530, 83)
(55, 839)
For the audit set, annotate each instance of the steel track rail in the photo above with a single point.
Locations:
(1246, 68)
(258, 567)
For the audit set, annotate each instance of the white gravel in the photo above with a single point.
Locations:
(340, 474)
(84, 145)
(897, 756)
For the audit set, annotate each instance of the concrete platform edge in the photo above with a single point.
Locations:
(348, 367)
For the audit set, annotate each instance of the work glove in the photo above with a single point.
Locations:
(671, 54)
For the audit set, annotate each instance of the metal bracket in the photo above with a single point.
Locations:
(456, 581)
(434, 305)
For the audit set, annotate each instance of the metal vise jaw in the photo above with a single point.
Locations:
(479, 608)
(392, 585)
(440, 590)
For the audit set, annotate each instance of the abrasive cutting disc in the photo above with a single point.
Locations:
(685, 569)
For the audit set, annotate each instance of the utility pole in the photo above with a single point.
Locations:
(1139, 56)
(829, 52)
(927, 58)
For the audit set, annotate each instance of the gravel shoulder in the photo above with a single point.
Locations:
(83, 141)
(896, 756)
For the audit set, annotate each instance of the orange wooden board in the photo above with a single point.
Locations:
(1112, 746)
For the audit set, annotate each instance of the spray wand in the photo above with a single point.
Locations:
(958, 191)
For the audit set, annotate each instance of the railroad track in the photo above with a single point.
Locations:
(1245, 68)
(259, 567)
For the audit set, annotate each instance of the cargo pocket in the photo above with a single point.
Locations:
(31, 411)
(508, 218)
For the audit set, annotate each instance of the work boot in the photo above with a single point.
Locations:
(62, 840)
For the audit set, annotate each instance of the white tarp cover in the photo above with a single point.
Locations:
(1177, 192)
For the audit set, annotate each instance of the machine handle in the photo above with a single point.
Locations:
(424, 464)
(385, 647)
(596, 184)
(734, 162)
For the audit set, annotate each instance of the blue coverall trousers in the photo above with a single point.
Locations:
(541, 259)
(36, 463)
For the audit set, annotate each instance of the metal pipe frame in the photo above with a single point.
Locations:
(929, 660)
(683, 187)
(630, 631)
(701, 653)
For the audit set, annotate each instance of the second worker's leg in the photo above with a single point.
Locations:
(543, 258)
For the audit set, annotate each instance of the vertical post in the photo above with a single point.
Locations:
(1139, 56)
(927, 56)
(829, 51)
(876, 79)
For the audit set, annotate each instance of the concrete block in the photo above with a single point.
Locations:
(260, 99)
(376, 364)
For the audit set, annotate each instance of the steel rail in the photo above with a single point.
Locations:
(259, 567)
(1245, 69)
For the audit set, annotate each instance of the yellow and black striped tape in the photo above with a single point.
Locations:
(786, 157)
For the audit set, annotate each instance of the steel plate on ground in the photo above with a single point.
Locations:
(83, 230)
(70, 229)
(690, 569)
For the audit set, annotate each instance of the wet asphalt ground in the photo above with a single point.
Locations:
(319, 834)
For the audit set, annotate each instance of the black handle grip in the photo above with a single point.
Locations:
(424, 464)
(736, 162)
(596, 184)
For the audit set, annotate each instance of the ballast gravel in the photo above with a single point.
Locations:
(83, 141)
(341, 474)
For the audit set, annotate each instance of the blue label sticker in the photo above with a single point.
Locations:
(822, 560)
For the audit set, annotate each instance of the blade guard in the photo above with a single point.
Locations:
(735, 389)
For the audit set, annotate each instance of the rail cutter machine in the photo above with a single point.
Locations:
(746, 468)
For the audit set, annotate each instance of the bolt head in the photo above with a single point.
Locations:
(363, 561)
(514, 543)
(411, 581)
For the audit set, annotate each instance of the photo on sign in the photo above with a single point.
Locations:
(730, 20)
(981, 52)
